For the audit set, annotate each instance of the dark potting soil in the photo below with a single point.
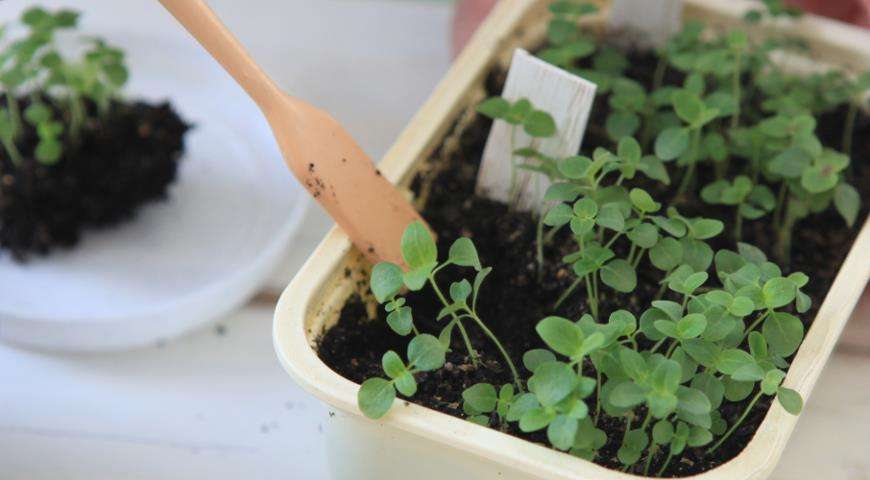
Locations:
(127, 158)
(516, 296)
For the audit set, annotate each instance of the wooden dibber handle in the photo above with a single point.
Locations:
(319, 151)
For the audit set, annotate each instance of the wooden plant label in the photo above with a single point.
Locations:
(567, 97)
(657, 20)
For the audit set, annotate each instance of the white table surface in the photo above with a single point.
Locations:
(215, 404)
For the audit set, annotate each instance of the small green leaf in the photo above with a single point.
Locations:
(790, 163)
(737, 391)
(712, 387)
(520, 405)
(621, 124)
(757, 346)
(425, 353)
(688, 106)
(702, 351)
(731, 360)
(819, 178)
(537, 357)
(666, 376)
(482, 397)
(116, 73)
(561, 432)
(401, 320)
(741, 306)
(552, 382)
(562, 192)
(416, 278)
(561, 335)
(750, 372)
(592, 342)
(375, 397)
(463, 253)
(848, 203)
(694, 281)
(662, 432)
(392, 364)
(518, 112)
(693, 401)
(643, 201)
(66, 18)
(790, 400)
(35, 16)
(386, 281)
(667, 254)
(478, 282)
(418, 247)
(610, 216)
(586, 208)
(626, 395)
(704, 228)
(406, 384)
(673, 226)
(619, 275)
(37, 113)
(539, 124)
(536, 419)
(691, 326)
(494, 108)
(644, 235)
(459, 291)
(653, 167)
(574, 167)
(772, 380)
(633, 363)
(667, 327)
(635, 443)
(697, 254)
(482, 420)
(671, 143)
(661, 403)
(48, 151)
(699, 437)
(778, 292)
(784, 333)
(558, 216)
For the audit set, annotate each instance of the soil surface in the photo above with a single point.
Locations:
(514, 298)
(121, 161)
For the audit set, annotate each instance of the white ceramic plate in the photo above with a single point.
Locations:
(229, 218)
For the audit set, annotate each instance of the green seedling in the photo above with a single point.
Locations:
(537, 124)
(481, 400)
(57, 86)
(420, 254)
(683, 143)
(376, 395)
(725, 323)
(752, 201)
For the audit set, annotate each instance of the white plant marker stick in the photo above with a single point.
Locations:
(657, 20)
(567, 97)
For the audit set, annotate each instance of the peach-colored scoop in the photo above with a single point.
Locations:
(321, 154)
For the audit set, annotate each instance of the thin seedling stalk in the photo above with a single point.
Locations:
(471, 352)
(736, 424)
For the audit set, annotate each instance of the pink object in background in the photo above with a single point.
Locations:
(466, 18)
(469, 14)
(852, 11)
